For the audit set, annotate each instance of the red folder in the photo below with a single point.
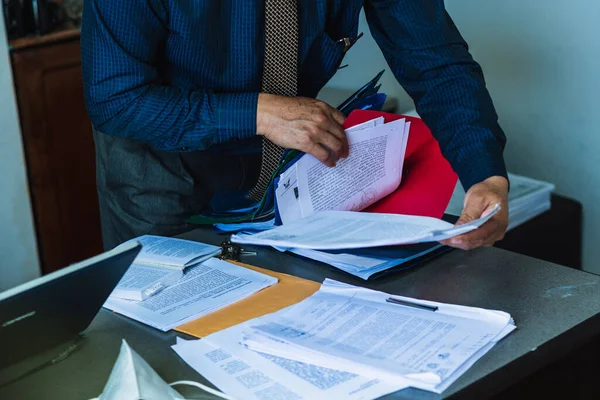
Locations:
(428, 180)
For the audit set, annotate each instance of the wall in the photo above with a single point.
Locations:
(542, 64)
(18, 253)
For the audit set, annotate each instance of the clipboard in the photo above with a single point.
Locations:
(287, 291)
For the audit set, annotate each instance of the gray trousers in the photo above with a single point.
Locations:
(145, 191)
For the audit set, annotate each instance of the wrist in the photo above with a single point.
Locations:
(264, 113)
(497, 181)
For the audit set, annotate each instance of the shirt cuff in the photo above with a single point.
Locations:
(236, 116)
(476, 167)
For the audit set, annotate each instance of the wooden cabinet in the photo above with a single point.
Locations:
(59, 148)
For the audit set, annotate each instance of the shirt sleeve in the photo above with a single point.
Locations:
(122, 42)
(432, 62)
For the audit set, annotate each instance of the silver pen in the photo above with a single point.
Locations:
(411, 304)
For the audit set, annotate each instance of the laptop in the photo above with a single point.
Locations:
(57, 307)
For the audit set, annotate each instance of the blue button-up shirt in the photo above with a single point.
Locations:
(185, 74)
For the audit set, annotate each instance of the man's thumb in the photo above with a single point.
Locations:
(471, 212)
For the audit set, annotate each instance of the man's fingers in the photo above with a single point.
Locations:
(340, 135)
(331, 125)
(321, 154)
(480, 200)
(338, 116)
(490, 208)
(473, 210)
(333, 145)
(304, 124)
(485, 235)
(470, 213)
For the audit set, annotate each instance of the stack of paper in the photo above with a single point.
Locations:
(372, 171)
(363, 263)
(159, 264)
(248, 375)
(527, 199)
(427, 345)
(204, 288)
(347, 342)
(357, 233)
(331, 230)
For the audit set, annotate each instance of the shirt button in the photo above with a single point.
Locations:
(184, 148)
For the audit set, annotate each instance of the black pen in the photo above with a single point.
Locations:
(411, 304)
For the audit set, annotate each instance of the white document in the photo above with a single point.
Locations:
(142, 281)
(356, 330)
(329, 230)
(372, 170)
(203, 289)
(244, 374)
(172, 252)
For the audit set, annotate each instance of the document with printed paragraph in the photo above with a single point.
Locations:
(204, 288)
(245, 374)
(332, 230)
(426, 345)
(372, 170)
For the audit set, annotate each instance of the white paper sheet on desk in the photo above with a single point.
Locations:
(331, 230)
(372, 171)
(356, 330)
(203, 289)
(244, 374)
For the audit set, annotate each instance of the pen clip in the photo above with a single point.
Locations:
(349, 42)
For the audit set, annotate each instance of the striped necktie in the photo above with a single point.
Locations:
(280, 75)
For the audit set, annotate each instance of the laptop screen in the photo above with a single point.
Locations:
(55, 308)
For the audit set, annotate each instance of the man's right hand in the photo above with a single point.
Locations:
(304, 124)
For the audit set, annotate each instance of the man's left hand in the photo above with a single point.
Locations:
(480, 201)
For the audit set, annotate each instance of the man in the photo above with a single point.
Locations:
(173, 89)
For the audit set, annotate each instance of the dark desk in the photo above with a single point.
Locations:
(556, 310)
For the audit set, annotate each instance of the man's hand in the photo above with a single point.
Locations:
(303, 124)
(479, 201)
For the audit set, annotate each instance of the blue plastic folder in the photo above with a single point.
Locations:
(391, 259)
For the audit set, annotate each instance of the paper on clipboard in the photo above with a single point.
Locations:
(288, 291)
